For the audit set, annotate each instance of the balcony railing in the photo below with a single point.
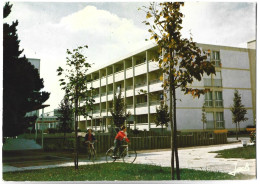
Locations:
(129, 87)
(96, 111)
(140, 84)
(104, 110)
(130, 106)
(103, 94)
(110, 92)
(154, 81)
(207, 82)
(143, 104)
(155, 102)
(96, 96)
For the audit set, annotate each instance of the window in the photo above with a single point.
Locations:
(219, 100)
(210, 120)
(208, 99)
(216, 57)
(219, 120)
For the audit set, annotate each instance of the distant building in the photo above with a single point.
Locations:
(235, 69)
(47, 122)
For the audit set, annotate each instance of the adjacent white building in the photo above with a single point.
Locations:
(235, 69)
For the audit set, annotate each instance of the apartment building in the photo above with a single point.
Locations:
(235, 69)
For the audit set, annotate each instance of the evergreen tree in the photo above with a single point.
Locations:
(162, 116)
(203, 116)
(118, 112)
(65, 115)
(238, 110)
(21, 83)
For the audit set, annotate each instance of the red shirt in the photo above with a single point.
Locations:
(121, 135)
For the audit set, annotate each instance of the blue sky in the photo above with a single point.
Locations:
(112, 30)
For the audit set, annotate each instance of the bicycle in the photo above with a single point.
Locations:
(91, 150)
(128, 155)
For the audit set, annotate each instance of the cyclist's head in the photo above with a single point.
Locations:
(89, 131)
(123, 127)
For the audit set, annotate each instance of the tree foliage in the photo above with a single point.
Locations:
(203, 116)
(181, 60)
(118, 111)
(74, 82)
(65, 115)
(238, 110)
(22, 84)
(162, 115)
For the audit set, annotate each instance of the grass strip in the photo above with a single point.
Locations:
(116, 171)
(248, 152)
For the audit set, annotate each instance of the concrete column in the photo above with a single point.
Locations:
(134, 103)
(148, 89)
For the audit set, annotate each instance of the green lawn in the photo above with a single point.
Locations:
(248, 152)
(115, 171)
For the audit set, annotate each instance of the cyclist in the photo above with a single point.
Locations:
(89, 137)
(119, 139)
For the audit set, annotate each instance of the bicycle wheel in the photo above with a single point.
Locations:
(92, 155)
(109, 155)
(129, 155)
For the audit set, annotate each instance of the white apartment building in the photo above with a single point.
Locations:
(235, 69)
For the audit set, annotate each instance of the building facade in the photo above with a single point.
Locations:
(235, 69)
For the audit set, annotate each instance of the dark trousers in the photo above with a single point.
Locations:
(117, 144)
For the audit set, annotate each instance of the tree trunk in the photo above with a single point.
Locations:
(172, 132)
(175, 135)
(236, 132)
(76, 162)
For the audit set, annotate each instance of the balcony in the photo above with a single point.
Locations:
(96, 83)
(96, 111)
(119, 76)
(140, 69)
(154, 81)
(130, 106)
(142, 84)
(207, 82)
(110, 79)
(155, 102)
(129, 72)
(143, 104)
(103, 81)
(153, 65)
(129, 87)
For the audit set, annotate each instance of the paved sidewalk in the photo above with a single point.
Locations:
(192, 157)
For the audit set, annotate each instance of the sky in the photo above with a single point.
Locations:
(114, 29)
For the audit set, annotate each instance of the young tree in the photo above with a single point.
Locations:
(75, 85)
(22, 84)
(162, 115)
(203, 116)
(238, 110)
(118, 112)
(65, 115)
(182, 61)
